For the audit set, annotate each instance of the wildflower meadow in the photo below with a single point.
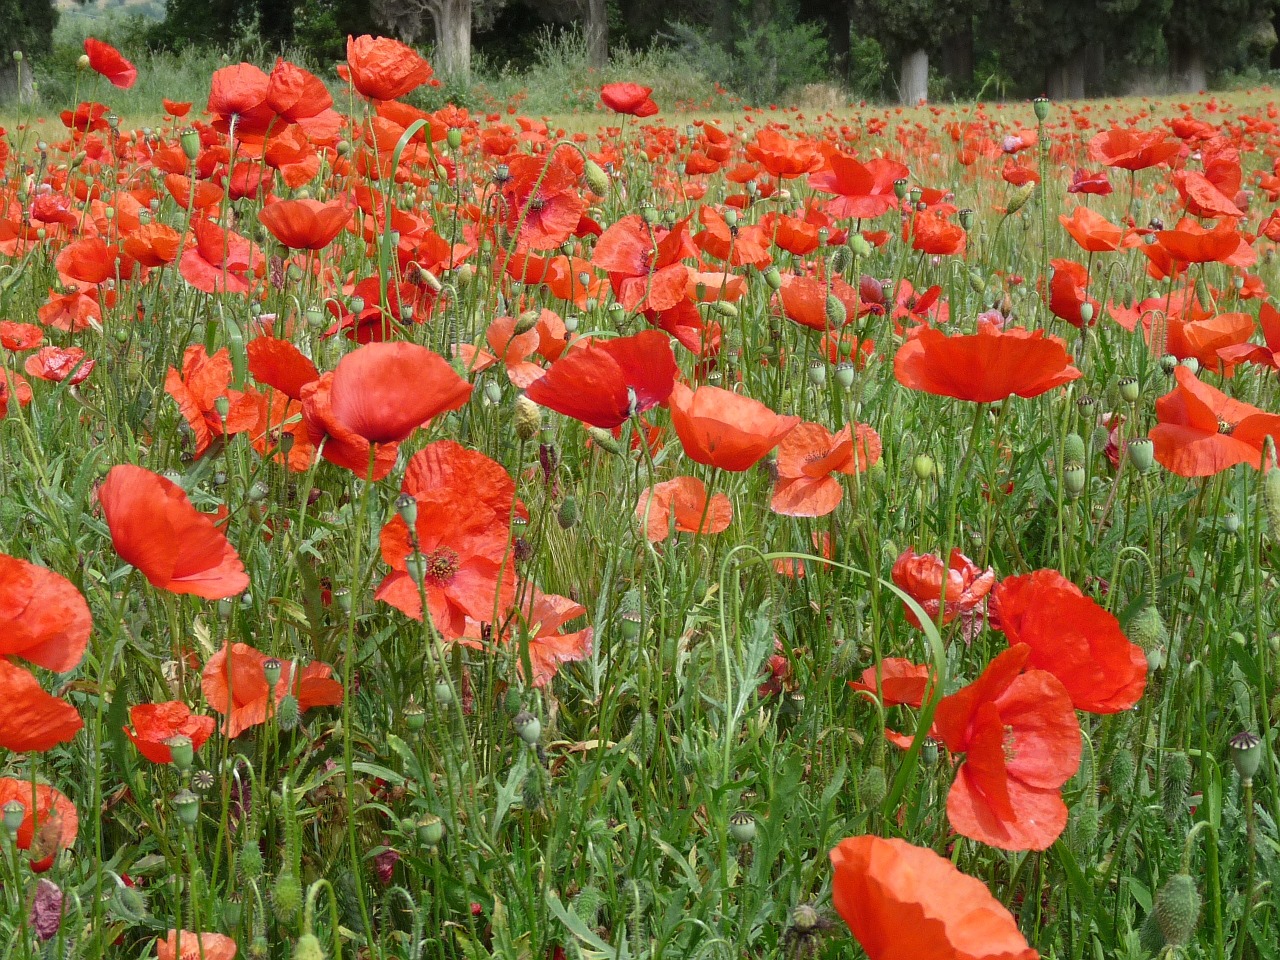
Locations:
(767, 534)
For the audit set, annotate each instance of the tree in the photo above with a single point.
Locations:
(1202, 34)
(909, 30)
(28, 28)
(451, 21)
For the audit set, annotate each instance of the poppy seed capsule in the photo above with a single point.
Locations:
(1130, 391)
(443, 693)
(187, 804)
(742, 827)
(190, 140)
(845, 375)
(1142, 453)
(1246, 754)
(1231, 523)
(817, 373)
(1040, 105)
(1086, 313)
(923, 466)
(431, 830)
(528, 727)
(181, 751)
(14, 814)
(271, 671)
(415, 718)
(773, 278)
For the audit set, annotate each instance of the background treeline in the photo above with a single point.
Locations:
(707, 52)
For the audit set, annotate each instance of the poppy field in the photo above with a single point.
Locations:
(442, 535)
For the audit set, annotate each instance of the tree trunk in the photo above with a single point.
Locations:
(10, 89)
(1075, 75)
(1095, 70)
(1056, 82)
(957, 56)
(598, 32)
(1187, 66)
(453, 37)
(914, 78)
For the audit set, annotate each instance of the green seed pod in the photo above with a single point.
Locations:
(836, 313)
(1122, 771)
(596, 177)
(308, 946)
(286, 895)
(1020, 198)
(1177, 909)
(1175, 786)
(1040, 105)
(1246, 754)
(1142, 453)
(1147, 630)
(568, 514)
(1130, 389)
(923, 466)
(742, 827)
(250, 859)
(1074, 478)
(528, 727)
(773, 278)
(1073, 450)
(288, 714)
(872, 786)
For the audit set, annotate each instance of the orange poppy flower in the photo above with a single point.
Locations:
(1267, 355)
(53, 827)
(279, 364)
(196, 389)
(32, 720)
(56, 364)
(185, 945)
(1092, 231)
(1067, 292)
(781, 157)
(238, 94)
(153, 245)
(934, 234)
(236, 687)
(107, 61)
(804, 300)
(1131, 149)
(1022, 743)
(1191, 243)
(862, 190)
(155, 528)
(644, 277)
(723, 429)
(382, 392)
(900, 682)
(807, 458)
(543, 199)
(630, 99)
(1073, 638)
(155, 723)
(607, 381)
(13, 385)
(903, 902)
(1201, 431)
(300, 97)
(921, 575)
(548, 647)
(384, 69)
(305, 224)
(685, 500)
(990, 365)
(1205, 338)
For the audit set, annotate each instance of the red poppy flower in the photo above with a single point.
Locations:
(384, 69)
(863, 190)
(153, 245)
(1131, 149)
(807, 458)
(743, 245)
(628, 98)
(384, 391)
(155, 528)
(56, 364)
(155, 723)
(900, 682)
(43, 617)
(279, 364)
(305, 224)
(685, 499)
(32, 720)
(13, 385)
(237, 688)
(1201, 431)
(464, 549)
(1067, 292)
(202, 381)
(645, 277)
(185, 945)
(300, 97)
(548, 647)
(605, 382)
(1191, 243)
(543, 201)
(220, 260)
(1267, 355)
(107, 60)
(724, 429)
(52, 828)
(921, 576)
(238, 95)
(1094, 232)
(1205, 338)
(781, 157)
(934, 234)
(175, 108)
(1072, 638)
(1022, 743)
(1084, 181)
(20, 336)
(904, 902)
(991, 365)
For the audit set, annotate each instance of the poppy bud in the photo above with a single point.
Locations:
(1130, 390)
(1142, 453)
(453, 138)
(841, 259)
(286, 894)
(1041, 107)
(742, 827)
(527, 419)
(1073, 449)
(1148, 631)
(527, 726)
(288, 713)
(1175, 786)
(431, 830)
(1020, 198)
(14, 814)
(567, 516)
(1086, 313)
(860, 245)
(923, 466)
(190, 140)
(17, 56)
(83, 61)
(308, 945)
(1246, 754)
(1271, 498)
(1177, 909)
(181, 751)
(724, 309)
(188, 806)
(804, 919)
(872, 786)
(596, 178)
(835, 311)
